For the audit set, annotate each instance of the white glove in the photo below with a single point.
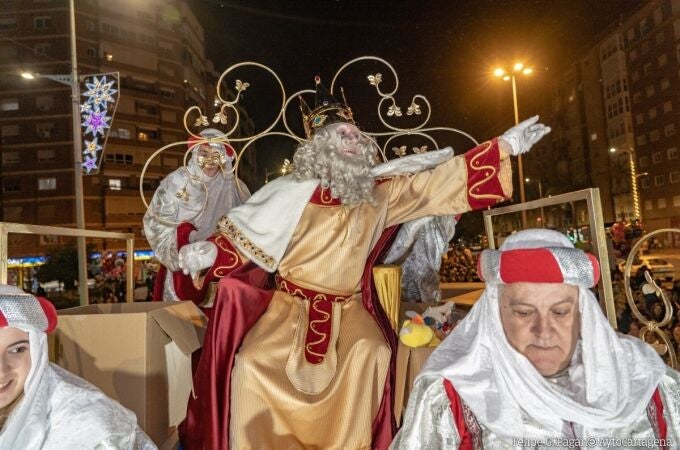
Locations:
(197, 256)
(522, 136)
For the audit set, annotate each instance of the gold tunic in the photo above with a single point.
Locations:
(280, 401)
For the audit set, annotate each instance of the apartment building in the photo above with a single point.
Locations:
(157, 46)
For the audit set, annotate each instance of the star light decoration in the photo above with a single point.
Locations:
(100, 92)
(92, 147)
(90, 164)
(100, 96)
(95, 122)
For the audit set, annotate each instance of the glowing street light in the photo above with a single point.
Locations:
(517, 68)
(27, 76)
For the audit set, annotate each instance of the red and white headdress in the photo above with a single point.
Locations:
(25, 311)
(523, 258)
(611, 377)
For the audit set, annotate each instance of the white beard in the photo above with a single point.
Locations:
(348, 177)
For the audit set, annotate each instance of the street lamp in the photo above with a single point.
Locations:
(633, 179)
(72, 81)
(510, 75)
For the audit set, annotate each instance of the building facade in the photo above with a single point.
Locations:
(652, 40)
(614, 114)
(157, 46)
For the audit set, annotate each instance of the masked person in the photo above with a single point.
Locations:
(315, 354)
(42, 406)
(535, 364)
(186, 208)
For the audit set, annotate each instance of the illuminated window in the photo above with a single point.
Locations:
(47, 184)
(115, 184)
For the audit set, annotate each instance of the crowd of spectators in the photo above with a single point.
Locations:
(110, 280)
(459, 265)
(649, 302)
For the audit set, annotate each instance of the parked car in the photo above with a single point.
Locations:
(660, 268)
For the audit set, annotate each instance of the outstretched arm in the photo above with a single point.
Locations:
(477, 179)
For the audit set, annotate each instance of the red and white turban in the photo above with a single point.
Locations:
(21, 310)
(554, 264)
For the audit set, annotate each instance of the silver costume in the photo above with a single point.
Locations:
(188, 195)
(603, 399)
(418, 248)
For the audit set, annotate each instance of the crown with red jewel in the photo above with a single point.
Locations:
(327, 110)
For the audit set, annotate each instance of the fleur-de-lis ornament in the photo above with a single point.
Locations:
(220, 117)
(241, 86)
(394, 110)
(375, 79)
(399, 151)
(201, 121)
(182, 194)
(287, 167)
(418, 150)
(414, 108)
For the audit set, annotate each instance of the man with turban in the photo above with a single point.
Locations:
(536, 364)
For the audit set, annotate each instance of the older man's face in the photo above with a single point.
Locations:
(542, 322)
(350, 136)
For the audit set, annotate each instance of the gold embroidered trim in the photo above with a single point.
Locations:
(221, 242)
(326, 197)
(478, 167)
(232, 232)
(322, 335)
(282, 285)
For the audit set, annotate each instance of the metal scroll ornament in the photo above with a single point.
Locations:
(650, 325)
(389, 112)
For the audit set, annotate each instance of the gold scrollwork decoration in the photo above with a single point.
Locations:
(228, 116)
(388, 106)
(650, 325)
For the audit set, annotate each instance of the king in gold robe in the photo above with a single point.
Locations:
(312, 368)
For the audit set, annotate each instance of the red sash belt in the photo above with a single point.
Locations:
(320, 319)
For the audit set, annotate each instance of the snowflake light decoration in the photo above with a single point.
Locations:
(100, 92)
(92, 147)
(90, 164)
(101, 96)
(96, 122)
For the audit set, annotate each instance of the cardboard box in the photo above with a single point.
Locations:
(409, 362)
(137, 353)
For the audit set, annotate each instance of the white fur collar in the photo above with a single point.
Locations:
(262, 227)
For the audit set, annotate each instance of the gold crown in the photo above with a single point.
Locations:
(327, 110)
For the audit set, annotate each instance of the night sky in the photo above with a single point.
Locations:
(444, 50)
